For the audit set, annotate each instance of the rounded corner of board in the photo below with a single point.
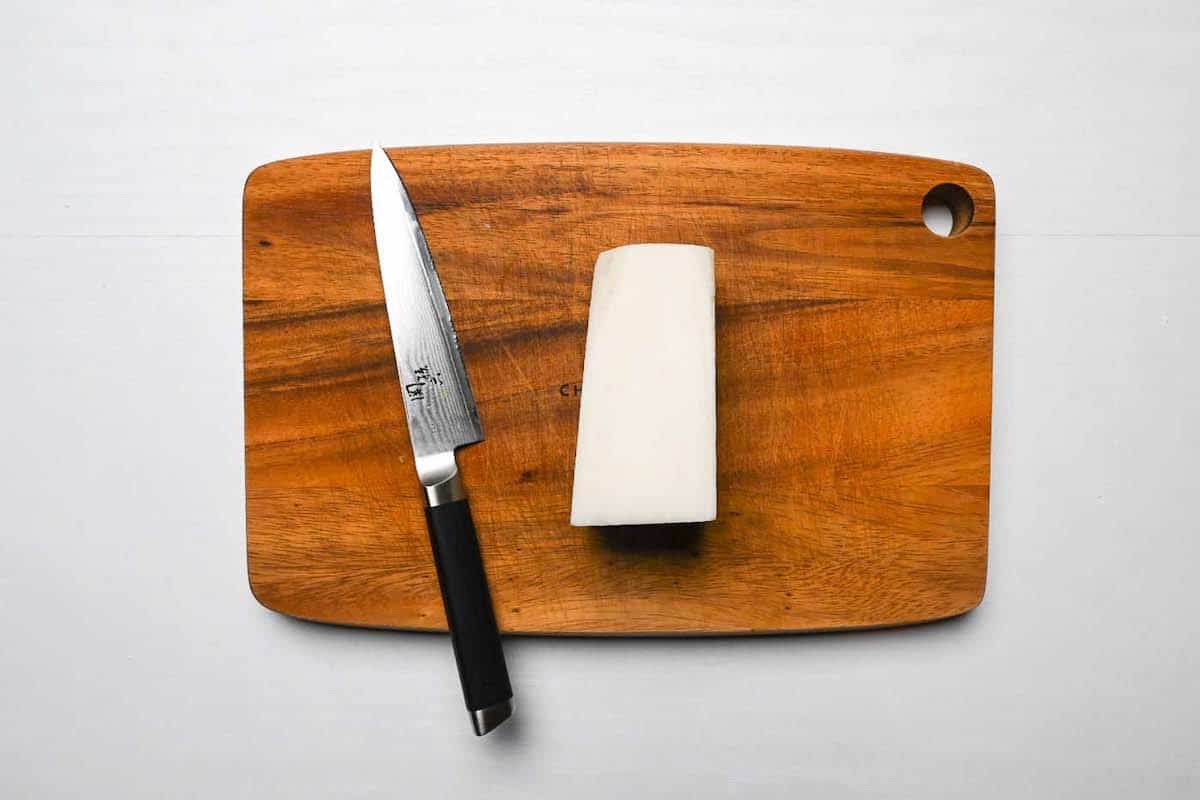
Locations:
(982, 182)
(264, 600)
(976, 601)
(256, 175)
(971, 605)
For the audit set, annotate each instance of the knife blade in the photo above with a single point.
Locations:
(442, 416)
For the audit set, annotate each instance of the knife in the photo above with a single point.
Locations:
(441, 418)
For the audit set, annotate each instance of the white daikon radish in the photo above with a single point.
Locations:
(647, 446)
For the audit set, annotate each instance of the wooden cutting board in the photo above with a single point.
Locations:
(854, 363)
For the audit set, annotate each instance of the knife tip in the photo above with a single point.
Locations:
(486, 720)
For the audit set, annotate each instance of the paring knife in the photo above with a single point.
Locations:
(441, 418)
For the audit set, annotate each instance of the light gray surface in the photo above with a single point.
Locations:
(136, 664)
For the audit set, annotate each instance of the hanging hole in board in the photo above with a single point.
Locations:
(947, 209)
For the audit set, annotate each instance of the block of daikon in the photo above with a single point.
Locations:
(647, 445)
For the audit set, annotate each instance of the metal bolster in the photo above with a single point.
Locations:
(439, 475)
(448, 491)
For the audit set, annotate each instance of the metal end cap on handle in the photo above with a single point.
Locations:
(488, 719)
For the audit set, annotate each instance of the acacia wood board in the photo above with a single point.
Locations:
(854, 365)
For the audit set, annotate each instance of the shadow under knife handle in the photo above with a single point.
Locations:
(468, 604)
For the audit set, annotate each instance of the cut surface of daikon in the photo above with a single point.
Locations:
(647, 445)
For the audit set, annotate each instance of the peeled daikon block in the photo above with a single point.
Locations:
(647, 446)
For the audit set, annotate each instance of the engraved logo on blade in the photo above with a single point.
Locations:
(423, 379)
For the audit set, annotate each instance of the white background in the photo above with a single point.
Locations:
(133, 660)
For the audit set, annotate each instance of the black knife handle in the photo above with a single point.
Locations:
(468, 603)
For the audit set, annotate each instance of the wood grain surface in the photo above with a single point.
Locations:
(854, 352)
